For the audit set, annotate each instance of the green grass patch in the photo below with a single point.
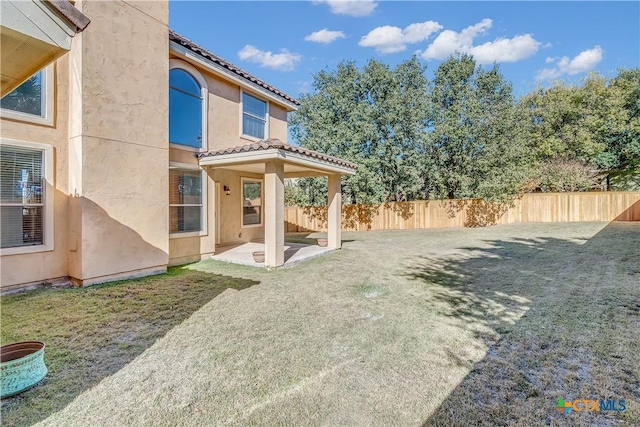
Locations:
(93, 332)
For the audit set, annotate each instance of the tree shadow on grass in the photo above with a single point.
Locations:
(93, 332)
(556, 317)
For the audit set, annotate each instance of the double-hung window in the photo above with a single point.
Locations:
(26, 218)
(254, 117)
(186, 201)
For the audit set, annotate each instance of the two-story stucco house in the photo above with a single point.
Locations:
(138, 150)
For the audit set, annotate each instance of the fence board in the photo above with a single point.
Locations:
(532, 207)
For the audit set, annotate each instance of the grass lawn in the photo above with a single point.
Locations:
(486, 326)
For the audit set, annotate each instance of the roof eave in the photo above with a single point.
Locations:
(259, 156)
(188, 54)
(67, 11)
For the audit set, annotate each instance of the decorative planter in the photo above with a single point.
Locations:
(22, 366)
(258, 256)
(322, 242)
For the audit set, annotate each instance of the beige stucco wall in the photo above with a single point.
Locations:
(223, 208)
(223, 131)
(224, 114)
(111, 154)
(119, 142)
(230, 208)
(35, 267)
(277, 122)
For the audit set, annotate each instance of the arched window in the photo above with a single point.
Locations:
(187, 106)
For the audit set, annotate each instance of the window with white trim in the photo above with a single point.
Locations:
(22, 196)
(251, 202)
(32, 101)
(186, 203)
(254, 116)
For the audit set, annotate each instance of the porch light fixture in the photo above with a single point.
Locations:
(227, 190)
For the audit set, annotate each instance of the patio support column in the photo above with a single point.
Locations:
(274, 213)
(334, 213)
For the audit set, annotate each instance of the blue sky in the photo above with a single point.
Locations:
(284, 43)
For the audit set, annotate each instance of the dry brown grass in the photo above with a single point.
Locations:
(93, 332)
(464, 327)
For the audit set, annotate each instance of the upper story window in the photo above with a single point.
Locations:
(254, 117)
(187, 106)
(32, 101)
(27, 98)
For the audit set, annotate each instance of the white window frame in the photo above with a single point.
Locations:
(266, 121)
(242, 181)
(204, 92)
(47, 92)
(48, 195)
(203, 212)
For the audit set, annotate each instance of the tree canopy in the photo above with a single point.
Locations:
(374, 117)
(463, 134)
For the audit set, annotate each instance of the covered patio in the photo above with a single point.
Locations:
(293, 253)
(273, 161)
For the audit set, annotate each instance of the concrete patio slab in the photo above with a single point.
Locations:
(293, 253)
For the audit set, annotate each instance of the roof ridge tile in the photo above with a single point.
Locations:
(274, 143)
(183, 41)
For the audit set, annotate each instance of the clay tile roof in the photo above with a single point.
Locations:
(68, 12)
(276, 144)
(183, 41)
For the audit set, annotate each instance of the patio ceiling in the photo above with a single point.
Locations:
(297, 161)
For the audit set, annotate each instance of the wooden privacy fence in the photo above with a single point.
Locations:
(532, 207)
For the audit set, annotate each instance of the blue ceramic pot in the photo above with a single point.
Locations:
(21, 366)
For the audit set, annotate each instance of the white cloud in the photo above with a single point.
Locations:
(389, 39)
(500, 50)
(584, 61)
(283, 61)
(450, 41)
(325, 36)
(506, 50)
(350, 7)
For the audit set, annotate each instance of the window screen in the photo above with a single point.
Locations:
(21, 196)
(185, 200)
(254, 116)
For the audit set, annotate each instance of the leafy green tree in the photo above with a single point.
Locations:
(306, 192)
(559, 123)
(621, 157)
(375, 117)
(561, 174)
(595, 123)
(476, 149)
(463, 135)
